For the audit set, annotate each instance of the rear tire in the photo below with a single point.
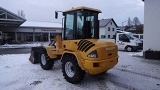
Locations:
(129, 48)
(45, 61)
(71, 70)
(33, 58)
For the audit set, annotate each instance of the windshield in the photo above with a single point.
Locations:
(130, 36)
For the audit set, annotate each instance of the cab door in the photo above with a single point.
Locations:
(122, 41)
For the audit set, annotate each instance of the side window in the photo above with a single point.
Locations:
(69, 26)
(123, 37)
(80, 23)
(136, 36)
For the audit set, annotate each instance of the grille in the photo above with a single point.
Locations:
(85, 45)
(140, 44)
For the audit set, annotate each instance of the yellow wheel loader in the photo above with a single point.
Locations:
(80, 50)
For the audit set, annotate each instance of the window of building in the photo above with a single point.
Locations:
(103, 36)
(9, 37)
(108, 28)
(22, 37)
(112, 29)
(114, 37)
(55, 34)
(41, 37)
(108, 36)
(111, 23)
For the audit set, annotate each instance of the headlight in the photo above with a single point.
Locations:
(137, 44)
(93, 54)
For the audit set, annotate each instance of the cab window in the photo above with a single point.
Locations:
(123, 37)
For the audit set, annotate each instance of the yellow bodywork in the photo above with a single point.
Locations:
(107, 54)
(93, 55)
(82, 8)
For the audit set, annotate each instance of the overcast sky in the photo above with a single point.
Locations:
(43, 10)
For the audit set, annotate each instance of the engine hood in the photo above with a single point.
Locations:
(104, 48)
(88, 44)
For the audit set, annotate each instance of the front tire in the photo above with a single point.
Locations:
(45, 61)
(129, 48)
(71, 70)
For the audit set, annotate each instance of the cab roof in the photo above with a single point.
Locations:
(83, 8)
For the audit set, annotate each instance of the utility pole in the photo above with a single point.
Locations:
(122, 24)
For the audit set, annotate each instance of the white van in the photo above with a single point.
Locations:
(126, 41)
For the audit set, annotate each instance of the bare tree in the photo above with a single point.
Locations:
(136, 21)
(129, 22)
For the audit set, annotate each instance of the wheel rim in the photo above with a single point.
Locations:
(69, 69)
(43, 59)
(129, 49)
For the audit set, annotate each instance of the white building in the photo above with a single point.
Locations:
(31, 31)
(151, 25)
(107, 28)
(15, 28)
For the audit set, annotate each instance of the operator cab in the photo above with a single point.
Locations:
(81, 23)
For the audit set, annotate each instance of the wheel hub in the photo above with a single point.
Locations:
(43, 59)
(69, 69)
(129, 49)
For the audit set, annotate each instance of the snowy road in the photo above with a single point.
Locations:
(15, 51)
(131, 73)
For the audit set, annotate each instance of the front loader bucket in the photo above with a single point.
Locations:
(35, 55)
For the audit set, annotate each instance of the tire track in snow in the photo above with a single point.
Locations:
(137, 73)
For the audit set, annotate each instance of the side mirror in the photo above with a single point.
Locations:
(56, 14)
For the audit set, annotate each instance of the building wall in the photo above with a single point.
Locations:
(29, 34)
(151, 25)
(106, 32)
(31, 29)
(102, 32)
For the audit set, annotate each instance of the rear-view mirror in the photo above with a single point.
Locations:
(56, 14)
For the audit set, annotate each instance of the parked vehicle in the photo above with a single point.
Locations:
(126, 41)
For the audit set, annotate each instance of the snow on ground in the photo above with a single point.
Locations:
(17, 73)
(140, 54)
(35, 44)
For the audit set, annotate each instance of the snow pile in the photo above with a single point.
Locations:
(21, 45)
(137, 54)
